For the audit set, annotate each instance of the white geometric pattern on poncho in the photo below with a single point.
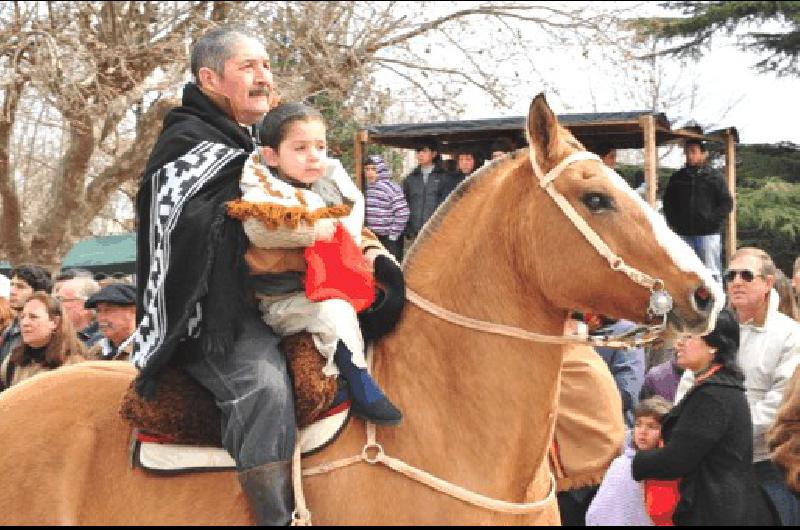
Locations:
(171, 187)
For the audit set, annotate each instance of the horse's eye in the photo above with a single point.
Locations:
(598, 202)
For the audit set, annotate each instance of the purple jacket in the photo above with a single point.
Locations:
(662, 380)
(387, 209)
(620, 499)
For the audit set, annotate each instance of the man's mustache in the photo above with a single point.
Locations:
(261, 91)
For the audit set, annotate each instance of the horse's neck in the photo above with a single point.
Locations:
(486, 401)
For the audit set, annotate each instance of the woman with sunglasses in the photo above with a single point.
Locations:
(708, 437)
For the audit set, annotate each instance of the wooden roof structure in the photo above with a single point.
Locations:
(622, 130)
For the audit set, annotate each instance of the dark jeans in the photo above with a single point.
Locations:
(573, 504)
(785, 502)
(252, 388)
(394, 247)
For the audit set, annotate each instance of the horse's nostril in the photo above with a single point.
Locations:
(703, 299)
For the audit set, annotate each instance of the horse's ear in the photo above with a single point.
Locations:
(542, 129)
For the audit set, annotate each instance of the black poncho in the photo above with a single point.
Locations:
(190, 268)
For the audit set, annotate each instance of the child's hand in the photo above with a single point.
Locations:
(324, 229)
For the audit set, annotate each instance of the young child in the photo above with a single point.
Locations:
(292, 196)
(387, 209)
(620, 500)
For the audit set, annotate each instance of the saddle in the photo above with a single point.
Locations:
(183, 414)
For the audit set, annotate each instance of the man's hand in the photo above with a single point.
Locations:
(384, 313)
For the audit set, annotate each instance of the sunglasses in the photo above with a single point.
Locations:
(746, 275)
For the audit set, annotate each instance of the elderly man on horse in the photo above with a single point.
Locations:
(191, 301)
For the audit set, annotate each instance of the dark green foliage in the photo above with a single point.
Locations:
(769, 218)
(694, 33)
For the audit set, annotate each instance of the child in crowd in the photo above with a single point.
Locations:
(387, 209)
(293, 195)
(620, 499)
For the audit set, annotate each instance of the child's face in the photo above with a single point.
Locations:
(302, 155)
(646, 433)
(371, 172)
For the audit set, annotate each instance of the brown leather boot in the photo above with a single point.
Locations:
(313, 391)
(268, 488)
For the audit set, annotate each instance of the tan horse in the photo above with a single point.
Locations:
(479, 408)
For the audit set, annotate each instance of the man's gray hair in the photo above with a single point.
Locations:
(84, 287)
(216, 47)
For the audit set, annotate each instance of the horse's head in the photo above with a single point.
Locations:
(629, 232)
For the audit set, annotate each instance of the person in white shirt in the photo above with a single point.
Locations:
(769, 352)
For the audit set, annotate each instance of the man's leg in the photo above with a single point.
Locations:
(712, 254)
(252, 388)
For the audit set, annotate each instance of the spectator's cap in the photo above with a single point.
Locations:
(5, 286)
(100, 276)
(380, 165)
(115, 293)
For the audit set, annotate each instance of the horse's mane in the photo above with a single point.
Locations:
(464, 187)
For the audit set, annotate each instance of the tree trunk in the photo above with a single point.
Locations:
(11, 217)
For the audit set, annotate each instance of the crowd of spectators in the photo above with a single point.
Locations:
(51, 322)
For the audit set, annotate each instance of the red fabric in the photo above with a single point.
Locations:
(337, 269)
(661, 497)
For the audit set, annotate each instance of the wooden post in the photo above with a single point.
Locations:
(360, 139)
(730, 177)
(648, 124)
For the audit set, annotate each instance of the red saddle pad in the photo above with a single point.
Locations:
(337, 269)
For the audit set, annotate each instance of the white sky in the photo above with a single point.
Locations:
(720, 90)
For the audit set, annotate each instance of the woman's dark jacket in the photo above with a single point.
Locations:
(696, 201)
(708, 440)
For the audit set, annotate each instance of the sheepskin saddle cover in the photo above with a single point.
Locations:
(183, 412)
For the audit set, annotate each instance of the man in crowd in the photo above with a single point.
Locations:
(25, 280)
(191, 299)
(73, 294)
(421, 187)
(500, 147)
(116, 318)
(625, 365)
(696, 202)
(769, 352)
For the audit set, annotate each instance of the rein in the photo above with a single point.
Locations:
(660, 305)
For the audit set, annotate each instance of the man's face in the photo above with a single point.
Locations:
(116, 322)
(746, 295)
(425, 156)
(246, 81)
(20, 293)
(73, 306)
(796, 280)
(610, 159)
(694, 155)
(466, 163)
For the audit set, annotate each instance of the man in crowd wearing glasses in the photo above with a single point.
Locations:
(769, 352)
